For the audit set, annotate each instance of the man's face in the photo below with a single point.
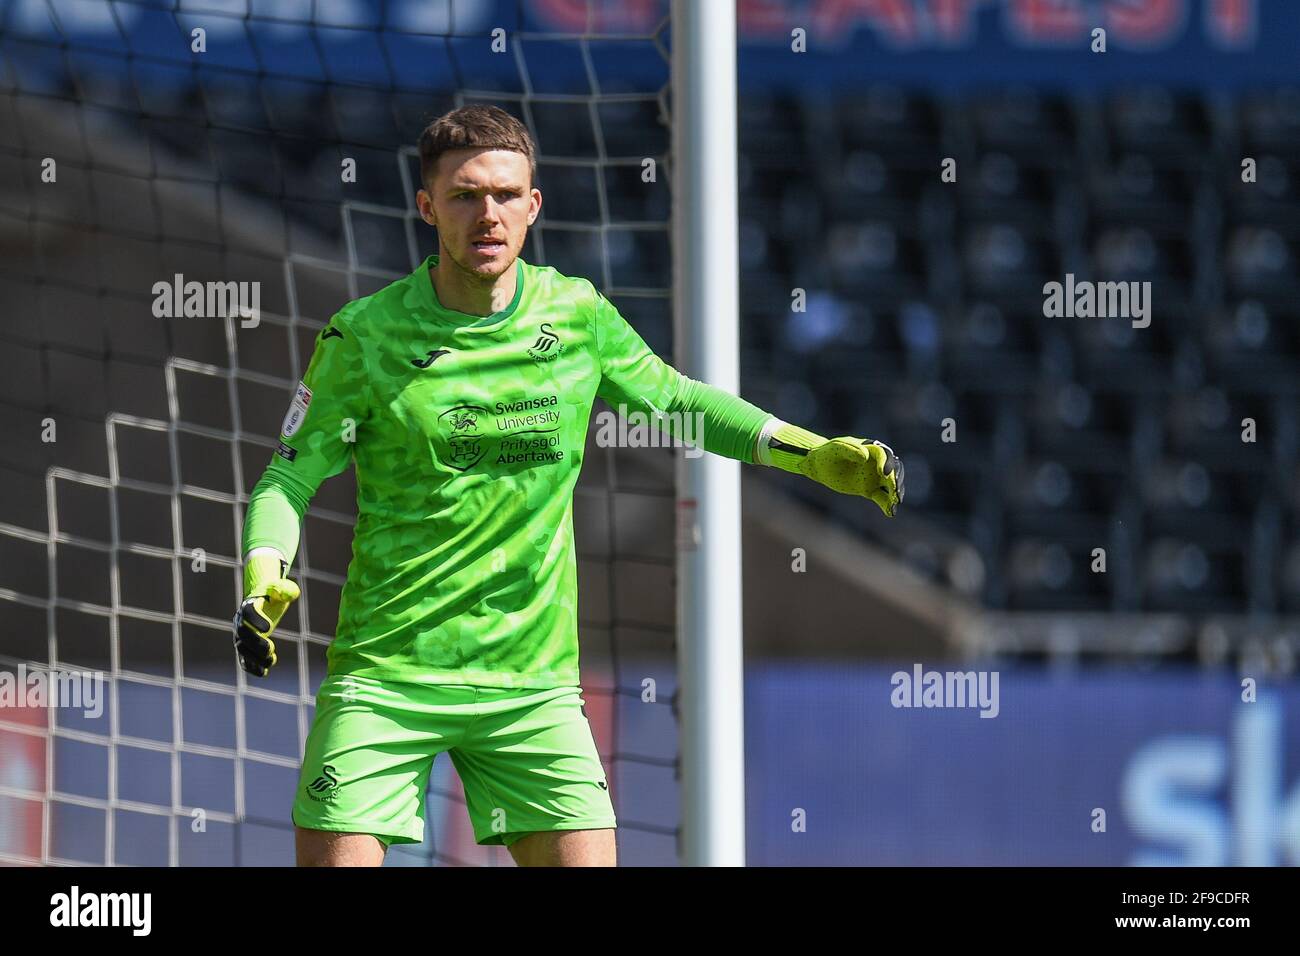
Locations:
(482, 205)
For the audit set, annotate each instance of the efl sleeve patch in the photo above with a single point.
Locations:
(293, 418)
(287, 453)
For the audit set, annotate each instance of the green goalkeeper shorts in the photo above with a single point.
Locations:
(526, 759)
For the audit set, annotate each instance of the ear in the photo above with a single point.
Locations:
(428, 218)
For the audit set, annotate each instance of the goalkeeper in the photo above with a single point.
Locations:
(463, 393)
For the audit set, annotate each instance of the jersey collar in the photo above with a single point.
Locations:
(463, 321)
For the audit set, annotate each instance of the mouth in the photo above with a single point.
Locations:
(490, 247)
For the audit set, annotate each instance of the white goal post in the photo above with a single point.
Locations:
(705, 317)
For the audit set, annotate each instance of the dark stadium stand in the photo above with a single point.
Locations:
(1071, 433)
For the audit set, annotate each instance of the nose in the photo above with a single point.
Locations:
(489, 211)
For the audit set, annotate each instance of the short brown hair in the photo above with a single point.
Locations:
(474, 127)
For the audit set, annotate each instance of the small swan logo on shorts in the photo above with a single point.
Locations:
(325, 787)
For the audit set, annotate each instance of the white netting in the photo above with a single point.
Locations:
(130, 567)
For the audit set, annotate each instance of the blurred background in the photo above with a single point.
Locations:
(877, 299)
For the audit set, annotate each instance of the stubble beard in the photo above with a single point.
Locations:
(481, 278)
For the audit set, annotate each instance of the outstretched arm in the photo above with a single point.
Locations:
(632, 375)
(851, 466)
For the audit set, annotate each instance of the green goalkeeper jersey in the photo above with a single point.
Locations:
(468, 435)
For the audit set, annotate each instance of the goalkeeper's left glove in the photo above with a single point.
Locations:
(267, 596)
(851, 466)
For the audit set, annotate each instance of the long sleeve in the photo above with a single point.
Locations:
(636, 378)
(317, 438)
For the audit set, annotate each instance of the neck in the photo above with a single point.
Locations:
(464, 292)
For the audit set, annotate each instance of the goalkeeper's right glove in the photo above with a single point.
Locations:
(267, 595)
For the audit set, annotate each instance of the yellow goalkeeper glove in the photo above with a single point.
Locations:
(851, 466)
(267, 596)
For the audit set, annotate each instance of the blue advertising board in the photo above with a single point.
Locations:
(1166, 767)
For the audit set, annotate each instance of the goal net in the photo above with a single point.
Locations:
(272, 142)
